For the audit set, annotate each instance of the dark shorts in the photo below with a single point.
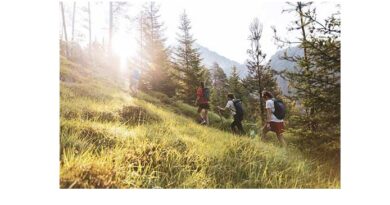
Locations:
(277, 127)
(238, 118)
(203, 106)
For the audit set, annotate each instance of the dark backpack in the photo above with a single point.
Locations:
(238, 106)
(206, 93)
(280, 109)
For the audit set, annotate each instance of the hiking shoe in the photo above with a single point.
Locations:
(203, 122)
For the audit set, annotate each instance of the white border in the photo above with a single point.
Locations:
(29, 88)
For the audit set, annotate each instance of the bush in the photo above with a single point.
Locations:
(87, 172)
(134, 115)
(102, 116)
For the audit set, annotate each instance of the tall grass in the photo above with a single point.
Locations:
(109, 139)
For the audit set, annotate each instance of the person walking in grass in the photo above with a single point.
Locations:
(202, 101)
(235, 107)
(275, 111)
(134, 80)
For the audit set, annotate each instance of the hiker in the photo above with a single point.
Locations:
(202, 101)
(235, 107)
(134, 79)
(274, 123)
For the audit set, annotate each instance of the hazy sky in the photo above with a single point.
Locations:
(221, 26)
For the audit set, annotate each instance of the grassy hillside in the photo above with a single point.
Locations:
(109, 139)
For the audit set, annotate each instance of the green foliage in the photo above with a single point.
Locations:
(316, 81)
(235, 85)
(220, 88)
(170, 151)
(187, 63)
(260, 76)
(314, 118)
(155, 62)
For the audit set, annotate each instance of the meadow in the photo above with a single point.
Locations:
(112, 139)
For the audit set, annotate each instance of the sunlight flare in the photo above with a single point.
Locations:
(123, 47)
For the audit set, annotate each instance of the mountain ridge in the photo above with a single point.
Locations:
(279, 64)
(210, 56)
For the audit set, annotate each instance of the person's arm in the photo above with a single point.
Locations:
(269, 114)
(220, 108)
(268, 105)
(197, 97)
(226, 107)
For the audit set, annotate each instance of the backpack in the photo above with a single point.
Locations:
(238, 106)
(206, 93)
(280, 109)
(135, 74)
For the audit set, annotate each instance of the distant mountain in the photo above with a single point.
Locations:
(279, 64)
(209, 57)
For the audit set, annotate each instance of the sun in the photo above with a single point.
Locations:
(123, 46)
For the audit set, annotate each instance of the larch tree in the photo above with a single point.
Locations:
(259, 74)
(64, 28)
(316, 79)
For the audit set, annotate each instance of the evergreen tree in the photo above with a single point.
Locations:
(220, 86)
(154, 56)
(187, 62)
(259, 77)
(235, 84)
(316, 81)
(252, 94)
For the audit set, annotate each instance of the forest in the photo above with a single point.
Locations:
(130, 121)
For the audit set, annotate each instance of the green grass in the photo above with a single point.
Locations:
(109, 139)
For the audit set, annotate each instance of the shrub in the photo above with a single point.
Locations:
(134, 115)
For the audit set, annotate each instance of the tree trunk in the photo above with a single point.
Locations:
(64, 26)
(303, 31)
(89, 28)
(304, 42)
(262, 116)
(73, 20)
(110, 29)
(141, 40)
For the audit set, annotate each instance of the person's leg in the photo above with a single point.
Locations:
(279, 128)
(200, 114)
(135, 87)
(131, 87)
(264, 132)
(240, 128)
(281, 139)
(232, 126)
(207, 116)
(203, 114)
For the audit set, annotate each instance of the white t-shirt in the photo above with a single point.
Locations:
(230, 106)
(270, 104)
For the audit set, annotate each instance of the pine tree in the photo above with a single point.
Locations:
(155, 63)
(259, 77)
(188, 69)
(235, 84)
(220, 86)
(316, 81)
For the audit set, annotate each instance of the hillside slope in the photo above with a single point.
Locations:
(109, 139)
